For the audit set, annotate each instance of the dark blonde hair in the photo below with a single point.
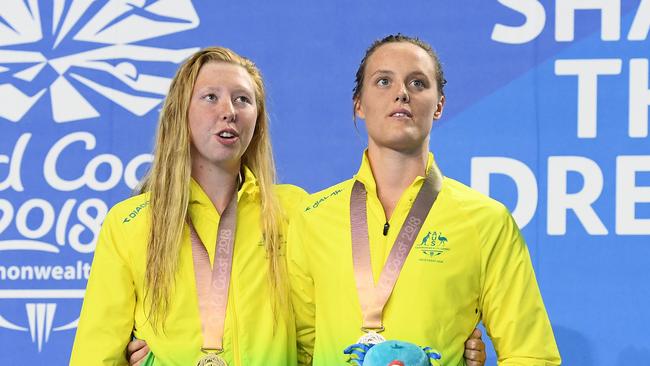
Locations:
(168, 182)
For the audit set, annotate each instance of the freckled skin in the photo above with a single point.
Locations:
(223, 98)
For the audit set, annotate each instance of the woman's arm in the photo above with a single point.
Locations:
(106, 320)
(513, 311)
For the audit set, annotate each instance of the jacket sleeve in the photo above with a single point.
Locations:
(106, 320)
(512, 306)
(302, 291)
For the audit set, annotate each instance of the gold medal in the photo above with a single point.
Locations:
(371, 338)
(211, 359)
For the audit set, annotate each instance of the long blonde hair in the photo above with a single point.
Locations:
(168, 182)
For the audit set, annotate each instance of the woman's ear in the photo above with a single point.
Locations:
(439, 108)
(358, 109)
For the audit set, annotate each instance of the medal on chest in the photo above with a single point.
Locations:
(211, 359)
(212, 284)
(373, 298)
(371, 337)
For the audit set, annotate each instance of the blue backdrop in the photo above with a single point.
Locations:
(547, 111)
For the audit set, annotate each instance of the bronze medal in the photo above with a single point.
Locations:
(371, 338)
(373, 298)
(211, 359)
(212, 283)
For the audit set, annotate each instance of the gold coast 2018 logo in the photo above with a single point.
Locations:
(67, 61)
(111, 28)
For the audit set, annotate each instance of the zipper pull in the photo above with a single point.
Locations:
(386, 227)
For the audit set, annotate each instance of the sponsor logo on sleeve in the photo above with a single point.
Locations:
(319, 201)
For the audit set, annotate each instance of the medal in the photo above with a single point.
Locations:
(212, 283)
(371, 338)
(211, 359)
(373, 298)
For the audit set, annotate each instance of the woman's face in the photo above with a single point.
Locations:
(222, 115)
(399, 98)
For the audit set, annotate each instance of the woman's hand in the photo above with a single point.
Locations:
(475, 349)
(137, 350)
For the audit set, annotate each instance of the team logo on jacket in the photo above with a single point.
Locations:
(71, 59)
(433, 247)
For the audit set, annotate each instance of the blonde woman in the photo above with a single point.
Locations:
(210, 189)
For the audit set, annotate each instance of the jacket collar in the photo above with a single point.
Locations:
(365, 176)
(248, 187)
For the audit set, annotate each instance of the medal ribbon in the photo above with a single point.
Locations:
(373, 298)
(212, 283)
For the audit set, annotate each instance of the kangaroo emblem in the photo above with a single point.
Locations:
(425, 239)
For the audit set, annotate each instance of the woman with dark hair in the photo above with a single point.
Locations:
(409, 254)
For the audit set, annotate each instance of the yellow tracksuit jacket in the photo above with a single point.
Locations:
(469, 263)
(113, 305)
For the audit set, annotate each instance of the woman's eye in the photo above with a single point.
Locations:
(383, 82)
(243, 99)
(210, 97)
(418, 83)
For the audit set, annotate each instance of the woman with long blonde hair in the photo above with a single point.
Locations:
(193, 263)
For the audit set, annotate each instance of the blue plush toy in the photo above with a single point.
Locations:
(392, 353)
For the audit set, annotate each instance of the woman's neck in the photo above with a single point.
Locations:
(219, 183)
(394, 171)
